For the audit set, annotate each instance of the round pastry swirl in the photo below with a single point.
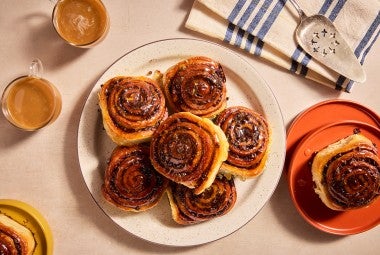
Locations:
(352, 177)
(188, 150)
(10, 243)
(196, 85)
(247, 133)
(132, 108)
(15, 238)
(215, 201)
(130, 181)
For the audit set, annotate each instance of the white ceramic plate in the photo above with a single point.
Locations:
(244, 87)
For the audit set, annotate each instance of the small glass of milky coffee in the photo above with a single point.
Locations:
(81, 23)
(31, 102)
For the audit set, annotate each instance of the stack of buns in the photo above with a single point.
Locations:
(194, 138)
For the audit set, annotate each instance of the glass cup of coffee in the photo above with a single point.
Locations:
(81, 23)
(30, 102)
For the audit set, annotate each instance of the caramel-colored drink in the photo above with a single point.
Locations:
(31, 103)
(81, 22)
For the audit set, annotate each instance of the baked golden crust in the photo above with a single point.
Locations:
(130, 181)
(196, 85)
(132, 108)
(347, 173)
(189, 150)
(248, 136)
(189, 208)
(15, 238)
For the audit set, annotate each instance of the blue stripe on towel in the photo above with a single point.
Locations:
(338, 7)
(295, 56)
(259, 47)
(229, 32)
(369, 47)
(235, 11)
(326, 5)
(339, 82)
(267, 25)
(304, 62)
(259, 16)
(247, 13)
(249, 42)
(271, 19)
(349, 86)
(293, 66)
(365, 41)
(239, 37)
(368, 36)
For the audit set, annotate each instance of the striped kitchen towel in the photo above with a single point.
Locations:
(266, 28)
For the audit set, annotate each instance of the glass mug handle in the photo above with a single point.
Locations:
(36, 68)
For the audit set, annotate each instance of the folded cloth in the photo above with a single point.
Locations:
(266, 28)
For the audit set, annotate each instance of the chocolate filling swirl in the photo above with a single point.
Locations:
(185, 148)
(196, 85)
(353, 177)
(10, 243)
(215, 201)
(130, 181)
(134, 103)
(247, 134)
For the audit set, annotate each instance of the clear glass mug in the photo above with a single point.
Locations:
(31, 102)
(81, 23)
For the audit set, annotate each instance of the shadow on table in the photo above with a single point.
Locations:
(11, 135)
(45, 43)
(287, 215)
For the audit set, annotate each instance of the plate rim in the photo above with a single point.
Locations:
(282, 132)
(366, 110)
(37, 216)
(291, 180)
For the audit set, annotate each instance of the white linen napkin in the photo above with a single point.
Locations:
(266, 28)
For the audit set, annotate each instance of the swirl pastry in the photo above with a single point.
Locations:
(132, 108)
(130, 181)
(196, 85)
(248, 136)
(189, 150)
(15, 238)
(347, 173)
(189, 208)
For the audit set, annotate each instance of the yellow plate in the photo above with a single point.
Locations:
(32, 219)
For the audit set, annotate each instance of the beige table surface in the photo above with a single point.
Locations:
(42, 168)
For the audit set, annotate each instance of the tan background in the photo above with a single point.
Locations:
(42, 168)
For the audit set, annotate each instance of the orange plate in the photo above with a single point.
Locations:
(324, 113)
(301, 185)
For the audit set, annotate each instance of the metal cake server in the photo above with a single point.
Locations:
(318, 36)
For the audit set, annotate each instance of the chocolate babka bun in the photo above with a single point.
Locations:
(130, 181)
(347, 173)
(196, 85)
(189, 208)
(189, 150)
(15, 238)
(132, 108)
(248, 136)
